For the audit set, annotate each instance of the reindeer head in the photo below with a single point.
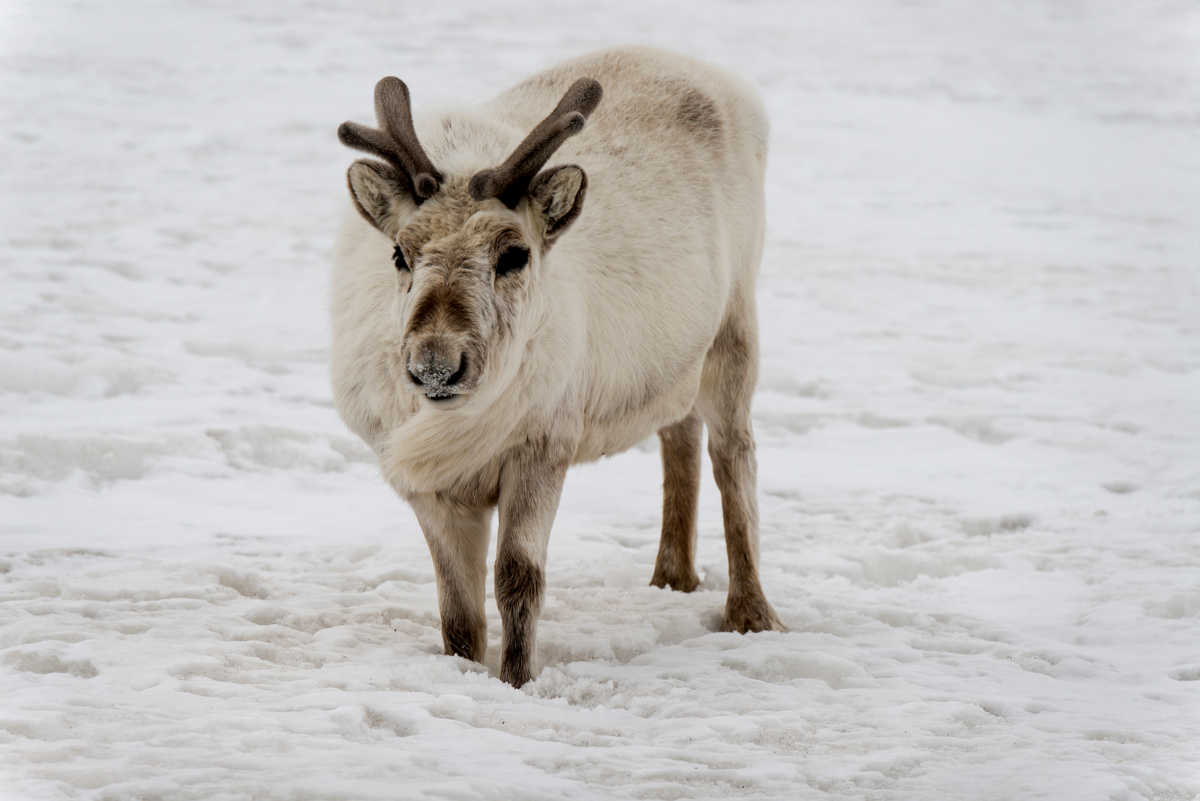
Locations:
(468, 251)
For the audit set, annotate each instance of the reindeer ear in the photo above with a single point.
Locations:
(556, 195)
(380, 194)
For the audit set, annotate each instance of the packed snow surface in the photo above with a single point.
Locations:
(978, 423)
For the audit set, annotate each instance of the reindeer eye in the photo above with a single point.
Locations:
(511, 260)
(398, 259)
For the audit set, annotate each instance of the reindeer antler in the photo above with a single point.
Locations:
(397, 142)
(510, 180)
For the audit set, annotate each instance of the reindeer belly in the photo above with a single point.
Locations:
(625, 424)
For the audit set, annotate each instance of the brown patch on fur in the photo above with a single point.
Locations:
(455, 314)
(697, 113)
(464, 638)
(441, 306)
(519, 587)
(424, 312)
(464, 631)
(519, 582)
(732, 344)
(675, 565)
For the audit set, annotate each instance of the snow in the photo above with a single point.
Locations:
(977, 423)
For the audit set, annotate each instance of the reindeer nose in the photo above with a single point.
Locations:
(435, 373)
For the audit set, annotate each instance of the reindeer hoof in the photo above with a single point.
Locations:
(469, 642)
(747, 615)
(680, 581)
(516, 675)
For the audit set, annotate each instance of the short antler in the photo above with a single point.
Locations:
(397, 142)
(510, 180)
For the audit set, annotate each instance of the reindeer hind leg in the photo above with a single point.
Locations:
(680, 446)
(727, 385)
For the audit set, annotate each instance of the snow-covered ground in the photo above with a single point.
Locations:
(978, 423)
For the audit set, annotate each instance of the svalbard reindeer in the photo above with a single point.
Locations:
(491, 328)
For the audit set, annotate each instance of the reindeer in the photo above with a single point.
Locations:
(489, 332)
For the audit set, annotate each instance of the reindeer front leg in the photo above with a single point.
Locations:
(530, 486)
(458, 541)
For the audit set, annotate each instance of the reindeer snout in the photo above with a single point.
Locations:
(437, 371)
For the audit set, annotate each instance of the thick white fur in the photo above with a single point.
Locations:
(621, 312)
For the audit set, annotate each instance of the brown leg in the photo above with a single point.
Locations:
(458, 541)
(675, 565)
(529, 492)
(730, 372)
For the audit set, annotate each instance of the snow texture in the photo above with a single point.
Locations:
(978, 433)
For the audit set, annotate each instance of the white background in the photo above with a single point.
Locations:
(978, 433)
